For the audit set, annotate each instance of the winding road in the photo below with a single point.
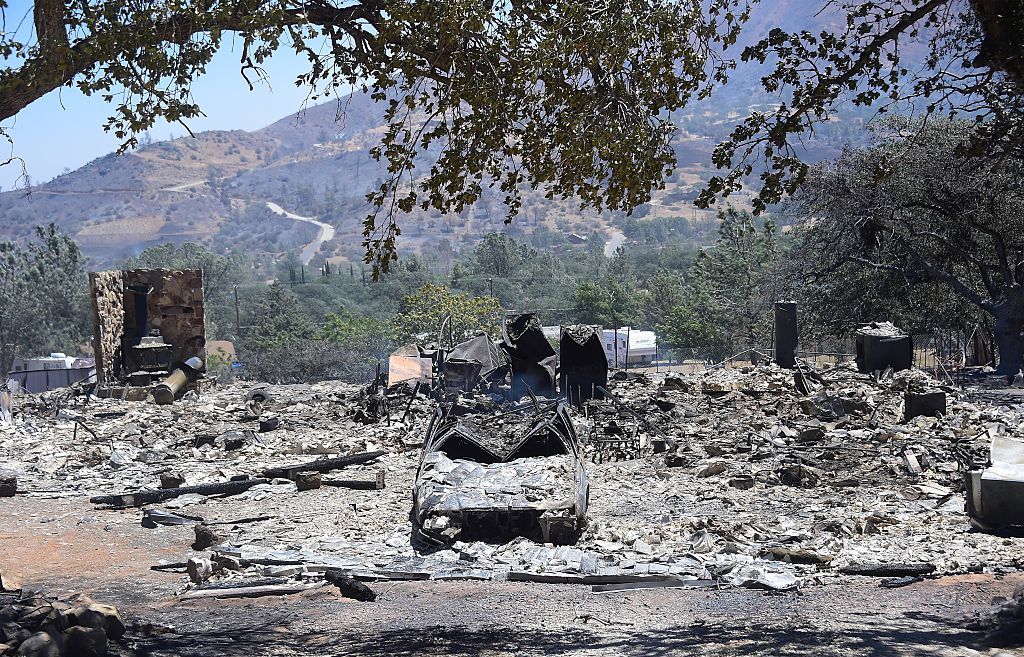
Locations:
(326, 231)
(615, 240)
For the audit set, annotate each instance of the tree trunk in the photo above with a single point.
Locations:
(1009, 334)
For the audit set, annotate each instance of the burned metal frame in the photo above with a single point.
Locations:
(537, 430)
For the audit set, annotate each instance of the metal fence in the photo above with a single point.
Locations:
(50, 379)
(943, 356)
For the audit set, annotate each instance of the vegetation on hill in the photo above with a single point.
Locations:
(572, 100)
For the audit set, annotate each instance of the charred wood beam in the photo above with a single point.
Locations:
(144, 497)
(321, 465)
(357, 484)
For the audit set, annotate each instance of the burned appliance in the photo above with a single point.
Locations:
(148, 360)
(531, 355)
(495, 475)
(477, 362)
(880, 346)
(993, 493)
(582, 363)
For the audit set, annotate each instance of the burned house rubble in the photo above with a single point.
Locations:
(727, 477)
(514, 461)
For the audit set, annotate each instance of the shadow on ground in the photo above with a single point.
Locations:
(910, 636)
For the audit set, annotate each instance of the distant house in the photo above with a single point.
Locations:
(50, 372)
(221, 349)
(576, 238)
(629, 346)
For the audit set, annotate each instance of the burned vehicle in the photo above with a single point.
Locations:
(501, 472)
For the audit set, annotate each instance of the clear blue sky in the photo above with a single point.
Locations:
(65, 128)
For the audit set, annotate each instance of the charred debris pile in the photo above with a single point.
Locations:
(489, 462)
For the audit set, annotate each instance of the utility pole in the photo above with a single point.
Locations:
(490, 286)
(238, 316)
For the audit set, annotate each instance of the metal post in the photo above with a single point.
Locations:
(628, 329)
(786, 335)
(238, 316)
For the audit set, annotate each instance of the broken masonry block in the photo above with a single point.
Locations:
(269, 423)
(170, 480)
(199, 569)
(307, 480)
(916, 404)
(742, 482)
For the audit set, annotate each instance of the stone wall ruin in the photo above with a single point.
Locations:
(174, 311)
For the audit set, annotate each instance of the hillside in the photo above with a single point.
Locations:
(315, 165)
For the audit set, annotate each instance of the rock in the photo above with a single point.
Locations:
(99, 616)
(113, 624)
(712, 469)
(39, 644)
(205, 537)
(85, 642)
(13, 634)
(36, 616)
(9, 581)
(171, 479)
